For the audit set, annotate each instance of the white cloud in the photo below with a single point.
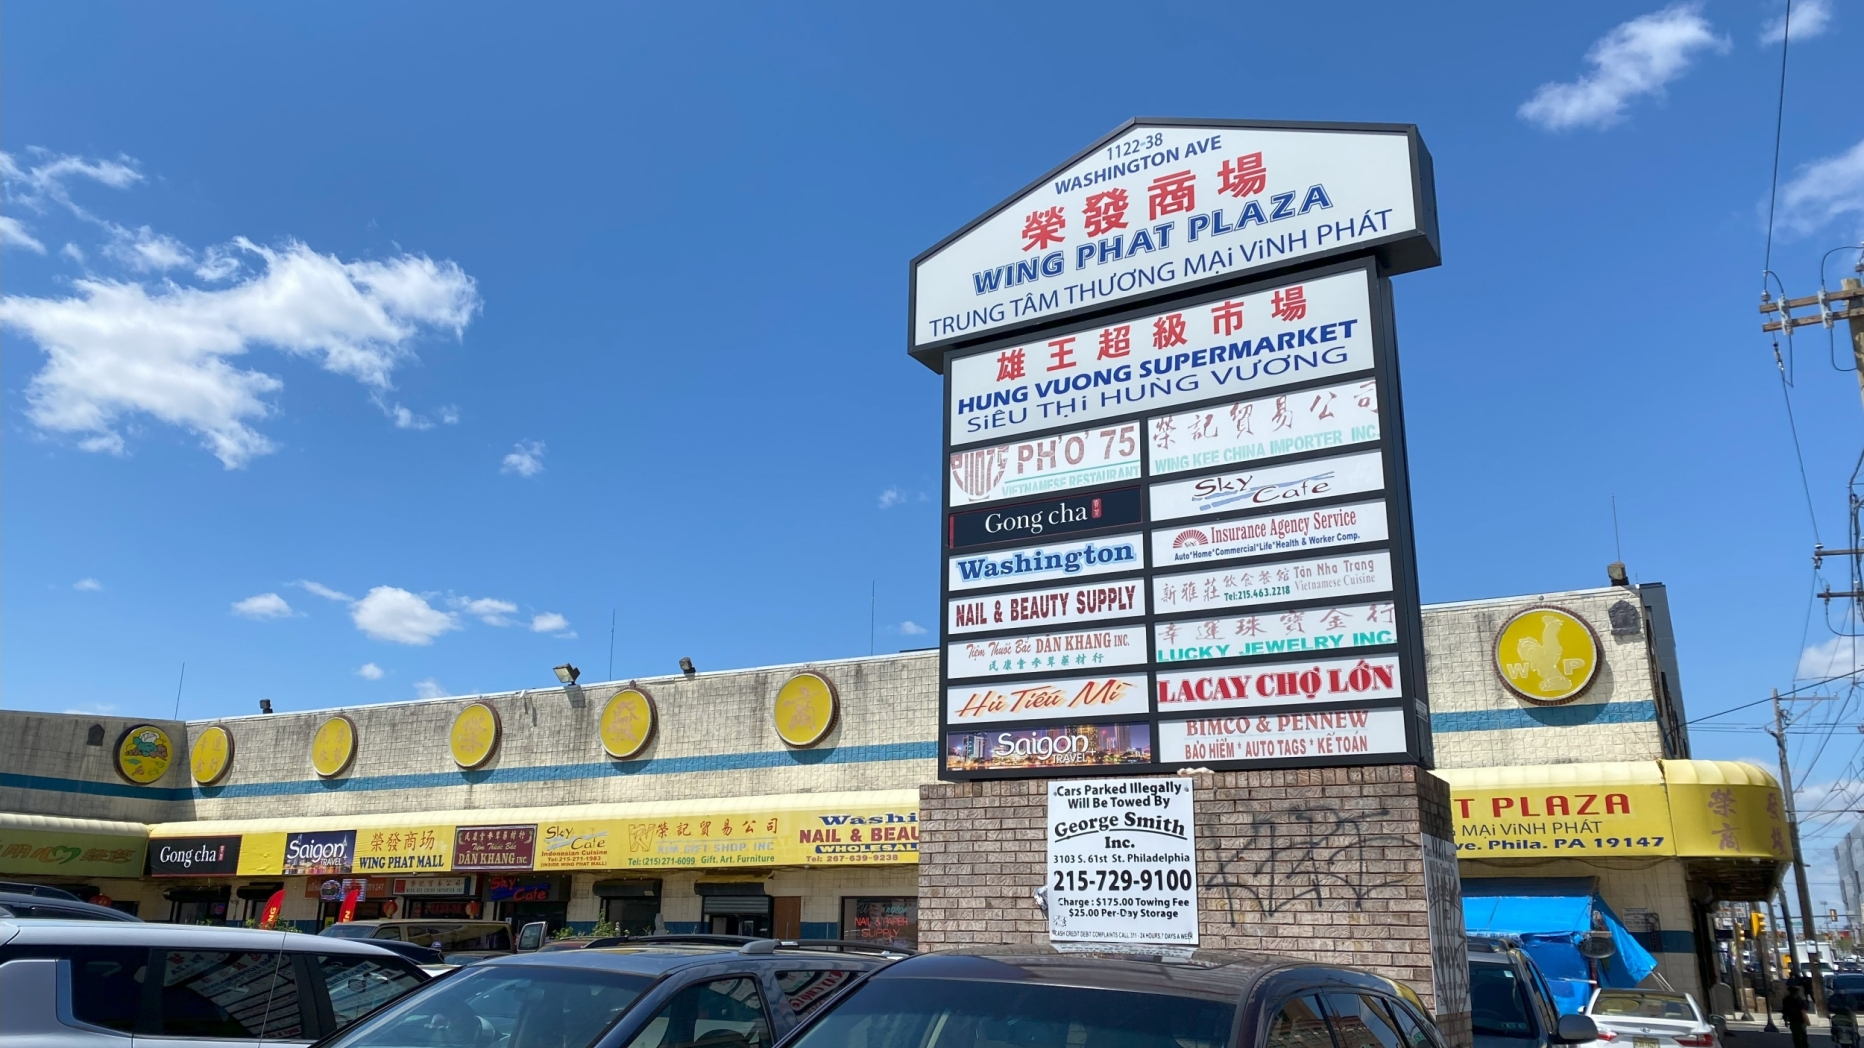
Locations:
(1637, 58)
(406, 418)
(891, 498)
(13, 234)
(911, 628)
(95, 709)
(43, 180)
(73, 252)
(1825, 191)
(489, 610)
(551, 622)
(87, 585)
(369, 671)
(429, 689)
(393, 614)
(1836, 657)
(262, 606)
(526, 459)
(323, 591)
(1810, 18)
(146, 251)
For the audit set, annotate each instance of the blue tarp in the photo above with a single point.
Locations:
(1550, 928)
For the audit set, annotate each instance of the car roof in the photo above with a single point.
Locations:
(59, 902)
(376, 922)
(1210, 974)
(657, 959)
(180, 936)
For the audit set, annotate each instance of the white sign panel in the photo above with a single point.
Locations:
(1165, 206)
(1269, 487)
(1280, 684)
(1334, 416)
(1074, 649)
(1233, 345)
(1275, 533)
(1282, 736)
(1287, 582)
(1122, 861)
(1275, 633)
(1060, 462)
(1055, 606)
(1046, 700)
(1053, 561)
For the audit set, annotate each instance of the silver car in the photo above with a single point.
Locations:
(134, 985)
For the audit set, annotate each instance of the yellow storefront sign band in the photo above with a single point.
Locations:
(1689, 808)
(61, 853)
(404, 850)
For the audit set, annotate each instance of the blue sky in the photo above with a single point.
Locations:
(383, 351)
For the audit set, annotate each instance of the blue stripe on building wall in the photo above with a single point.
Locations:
(900, 751)
(1545, 716)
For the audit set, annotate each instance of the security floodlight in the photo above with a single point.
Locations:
(265, 705)
(686, 666)
(568, 673)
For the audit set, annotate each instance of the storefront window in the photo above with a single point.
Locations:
(888, 919)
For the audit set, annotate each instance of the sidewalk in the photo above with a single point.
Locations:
(1753, 1035)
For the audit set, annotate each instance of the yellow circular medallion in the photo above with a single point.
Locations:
(1547, 655)
(475, 735)
(806, 708)
(211, 755)
(143, 754)
(627, 723)
(334, 746)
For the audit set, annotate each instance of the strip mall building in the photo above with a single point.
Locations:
(784, 800)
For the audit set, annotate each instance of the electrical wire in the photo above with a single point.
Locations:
(1779, 125)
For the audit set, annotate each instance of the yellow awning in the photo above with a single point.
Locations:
(1688, 808)
(792, 829)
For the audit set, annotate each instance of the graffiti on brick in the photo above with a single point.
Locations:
(1314, 858)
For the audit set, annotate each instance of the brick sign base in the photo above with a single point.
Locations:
(1350, 866)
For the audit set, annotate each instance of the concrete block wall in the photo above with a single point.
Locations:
(46, 748)
(1324, 864)
(1477, 722)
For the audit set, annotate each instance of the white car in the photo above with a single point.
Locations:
(105, 984)
(1649, 1019)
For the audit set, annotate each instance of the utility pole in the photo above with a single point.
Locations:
(1813, 966)
(1846, 304)
(1737, 964)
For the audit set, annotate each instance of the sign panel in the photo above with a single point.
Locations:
(1268, 487)
(1122, 861)
(1275, 533)
(409, 849)
(494, 847)
(1048, 699)
(1275, 633)
(321, 852)
(1268, 427)
(1286, 582)
(1074, 649)
(1342, 737)
(1058, 560)
(1231, 345)
(828, 837)
(1061, 462)
(1059, 606)
(1280, 684)
(1034, 520)
(1521, 821)
(1157, 207)
(1547, 656)
(1061, 746)
(573, 846)
(59, 853)
(441, 886)
(193, 856)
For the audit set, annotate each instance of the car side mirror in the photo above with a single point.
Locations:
(1720, 1022)
(531, 936)
(1576, 1029)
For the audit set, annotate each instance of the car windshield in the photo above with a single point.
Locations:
(1498, 1002)
(502, 1006)
(1847, 982)
(348, 931)
(1629, 1005)
(953, 1013)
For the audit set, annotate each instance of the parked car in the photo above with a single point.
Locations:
(54, 908)
(658, 995)
(1650, 1019)
(1510, 1003)
(1027, 996)
(459, 942)
(45, 890)
(79, 984)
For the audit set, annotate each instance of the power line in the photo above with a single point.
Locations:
(1779, 125)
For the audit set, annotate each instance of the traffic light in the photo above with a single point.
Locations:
(1757, 923)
